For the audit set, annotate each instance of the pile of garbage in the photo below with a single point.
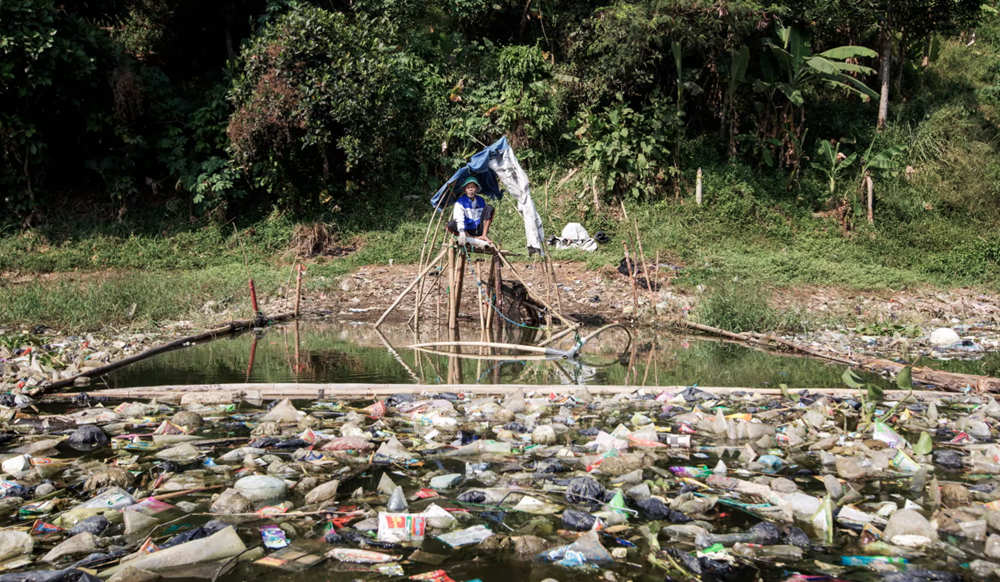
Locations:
(31, 359)
(442, 486)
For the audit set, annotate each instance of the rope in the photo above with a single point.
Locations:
(479, 285)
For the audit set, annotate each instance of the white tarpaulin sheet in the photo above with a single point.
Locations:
(510, 174)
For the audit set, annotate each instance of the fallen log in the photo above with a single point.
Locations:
(229, 328)
(951, 381)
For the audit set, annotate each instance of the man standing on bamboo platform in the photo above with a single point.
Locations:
(472, 215)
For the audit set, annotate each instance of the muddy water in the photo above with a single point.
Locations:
(341, 352)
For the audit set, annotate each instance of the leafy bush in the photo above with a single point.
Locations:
(741, 307)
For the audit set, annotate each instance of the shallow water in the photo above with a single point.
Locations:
(339, 352)
(333, 352)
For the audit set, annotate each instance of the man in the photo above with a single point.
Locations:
(472, 215)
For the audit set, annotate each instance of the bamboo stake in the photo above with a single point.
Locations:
(631, 277)
(437, 229)
(456, 303)
(534, 296)
(423, 251)
(298, 289)
(426, 270)
(645, 270)
(645, 374)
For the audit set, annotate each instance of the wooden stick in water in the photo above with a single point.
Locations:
(631, 276)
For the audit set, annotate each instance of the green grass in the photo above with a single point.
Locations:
(937, 227)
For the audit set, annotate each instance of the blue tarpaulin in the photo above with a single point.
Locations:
(478, 167)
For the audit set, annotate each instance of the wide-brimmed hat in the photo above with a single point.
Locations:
(471, 180)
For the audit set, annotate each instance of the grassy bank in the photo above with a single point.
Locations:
(935, 224)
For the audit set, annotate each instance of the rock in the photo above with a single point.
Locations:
(324, 492)
(87, 438)
(908, 522)
(133, 574)
(230, 502)
(187, 419)
(943, 337)
(261, 489)
(543, 435)
(78, 545)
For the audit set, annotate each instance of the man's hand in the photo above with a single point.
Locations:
(461, 238)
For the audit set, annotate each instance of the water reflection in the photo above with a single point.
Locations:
(335, 352)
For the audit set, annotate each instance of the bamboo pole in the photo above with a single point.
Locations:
(559, 335)
(631, 277)
(499, 346)
(426, 270)
(645, 270)
(415, 316)
(456, 300)
(298, 289)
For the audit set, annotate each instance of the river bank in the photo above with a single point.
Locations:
(891, 324)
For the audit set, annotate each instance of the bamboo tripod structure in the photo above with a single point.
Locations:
(491, 287)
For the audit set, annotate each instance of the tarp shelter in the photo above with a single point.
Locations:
(492, 167)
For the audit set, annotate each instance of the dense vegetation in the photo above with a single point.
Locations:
(164, 120)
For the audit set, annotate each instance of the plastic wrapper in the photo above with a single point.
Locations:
(401, 527)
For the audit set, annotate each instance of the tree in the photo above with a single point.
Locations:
(791, 68)
(317, 92)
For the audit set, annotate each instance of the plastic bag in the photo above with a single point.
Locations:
(585, 490)
(466, 537)
(401, 527)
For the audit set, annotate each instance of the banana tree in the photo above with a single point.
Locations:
(831, 162)
(790, 67)
(737, 72)
(683, 87)
(886, 160)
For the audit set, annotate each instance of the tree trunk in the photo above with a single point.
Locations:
(927, 52)
(871, 206)
(884, 70)
(724, 124)
(230, 15)
(902, 56)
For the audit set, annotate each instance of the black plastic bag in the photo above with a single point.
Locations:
(576, 520)
(197, 533)
(653, 508)
(67, 575)
(584, 490)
